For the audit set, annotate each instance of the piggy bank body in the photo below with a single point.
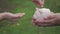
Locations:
(42, 13)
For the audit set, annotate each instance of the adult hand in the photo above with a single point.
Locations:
(50, 21)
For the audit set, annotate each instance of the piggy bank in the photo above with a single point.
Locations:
(42, 13)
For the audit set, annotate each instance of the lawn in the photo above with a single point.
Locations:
(24, 25)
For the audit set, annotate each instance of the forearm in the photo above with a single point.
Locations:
(2, 16)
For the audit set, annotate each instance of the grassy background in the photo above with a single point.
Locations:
(24, 25)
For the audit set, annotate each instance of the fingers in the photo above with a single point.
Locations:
(33, 21)
(13, 17)
(50, 17)
(43, 23)
(41, 2)
(20, 14)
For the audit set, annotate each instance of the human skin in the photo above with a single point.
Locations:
(53, 20)
(50, 20)
(39, 3)
(10, 16)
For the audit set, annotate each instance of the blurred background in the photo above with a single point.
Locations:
(24, 25)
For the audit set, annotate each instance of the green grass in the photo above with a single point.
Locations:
(25, 25)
